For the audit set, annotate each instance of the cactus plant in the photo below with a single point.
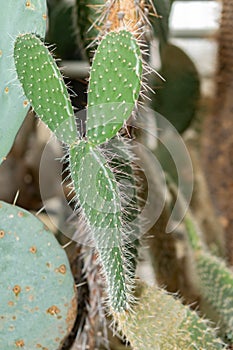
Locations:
(16, 17)
(38, 299)
(215, 280)
(44, 87)
(100, 200)
(114, 85)
(159, 321)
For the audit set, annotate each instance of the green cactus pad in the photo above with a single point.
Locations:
(215, 279)
(44, 86)
(38, 301)
(159, 321)
(15, 17)
(98, 195)
(216, 285)
(114, 85)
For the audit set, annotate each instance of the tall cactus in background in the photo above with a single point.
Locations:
(215, 280)
(16, 17)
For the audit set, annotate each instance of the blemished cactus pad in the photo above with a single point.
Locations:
(114, 85)
(15, 17)
(98, 195)
(38, 298)
(158, 321)
(44, 86)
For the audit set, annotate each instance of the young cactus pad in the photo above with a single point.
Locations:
(38, 299)
(98, 195)
(160, 322)
(114, 85)
(44, 86)
(15, 17)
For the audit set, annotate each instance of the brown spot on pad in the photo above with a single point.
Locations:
(53, 310)
(16, 289)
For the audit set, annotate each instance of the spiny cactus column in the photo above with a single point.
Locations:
(216, 280)
(15, 17)
(159, 321)
(38, 301)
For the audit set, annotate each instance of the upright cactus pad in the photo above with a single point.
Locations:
(44, 86)
(160, 322)
(38, 302)
(15, 17)
(114, 85)
(99, 197)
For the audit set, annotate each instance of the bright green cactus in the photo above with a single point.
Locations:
(160, 322)
(114, 85)
(97, 193)
(215, 279)
(117, 63)
(15, 17)
(44, 86)
(38, 299)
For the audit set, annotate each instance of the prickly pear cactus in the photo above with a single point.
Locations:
(101, 205)
(15, 17)
(215, 280)
(118, 64)
(159, 321)
(44, 86)
(114, 86)
(38, 303)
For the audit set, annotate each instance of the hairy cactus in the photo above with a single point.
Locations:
(44, 86)
(38, 302)
(100, 202)
(15, 17)
(159, 321)
(215, 279)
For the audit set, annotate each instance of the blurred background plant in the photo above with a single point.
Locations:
(191, 47)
